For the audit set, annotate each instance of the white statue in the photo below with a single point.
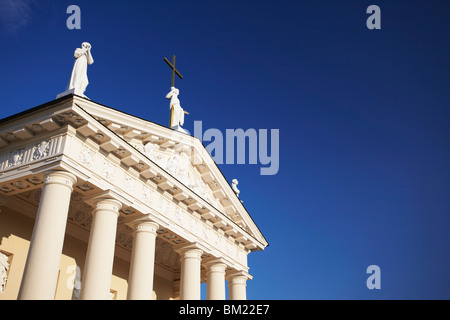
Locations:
(177, 112)
(234, 184)
(79, 80)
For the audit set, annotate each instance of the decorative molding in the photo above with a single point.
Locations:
(216, 266)
(22, 157)
(60, 177)
(190, 252)
(16, 158)
(238, 278)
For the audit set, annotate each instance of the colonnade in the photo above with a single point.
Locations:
(41, 269)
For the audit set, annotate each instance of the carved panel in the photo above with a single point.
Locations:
(32, 152)
(179, 165)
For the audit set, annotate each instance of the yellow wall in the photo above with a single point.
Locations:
(15, 234)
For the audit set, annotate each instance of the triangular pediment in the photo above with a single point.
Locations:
(180, 155)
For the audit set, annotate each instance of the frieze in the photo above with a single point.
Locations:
(21, 158)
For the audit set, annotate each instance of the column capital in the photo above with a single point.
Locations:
(192, 250)
(143, 225)
(237, 283)
(238, 276)
(64, 178)
(107, 200)
(215, 265)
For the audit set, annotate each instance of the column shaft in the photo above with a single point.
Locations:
(142, 265)
(216, 281)
(96, 281)
(237, 284)
(190, 277)
(44, 255)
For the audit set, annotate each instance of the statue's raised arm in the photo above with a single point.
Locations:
(90, 60)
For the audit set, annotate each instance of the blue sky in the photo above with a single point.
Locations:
(363, 118)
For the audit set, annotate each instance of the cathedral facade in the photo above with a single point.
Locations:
(99, 204)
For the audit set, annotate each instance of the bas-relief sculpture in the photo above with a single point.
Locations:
(179, 165)
(30, 153)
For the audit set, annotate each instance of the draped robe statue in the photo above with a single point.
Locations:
(79, 80)
(234, 184)
(177, 112)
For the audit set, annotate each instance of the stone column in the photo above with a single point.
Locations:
(44, 255)
(96, 281)
(237, 283)
(142, 265)
(215, 280)
(190, 277)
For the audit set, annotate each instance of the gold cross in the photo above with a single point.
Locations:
(174, 70)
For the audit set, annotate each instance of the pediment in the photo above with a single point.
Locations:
(182, 156)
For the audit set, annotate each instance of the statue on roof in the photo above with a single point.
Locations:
(234, 184)
(177, 112)
(79, 80)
